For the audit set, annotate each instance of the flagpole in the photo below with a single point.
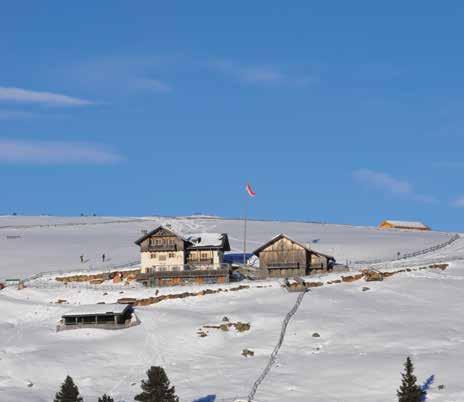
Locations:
(245, 231)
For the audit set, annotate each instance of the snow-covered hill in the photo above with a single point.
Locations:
(365, 336)
(56, 243)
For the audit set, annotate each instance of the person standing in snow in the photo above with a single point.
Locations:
(82, 258)
(103, 257)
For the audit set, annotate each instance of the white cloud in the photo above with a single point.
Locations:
(391, 185)
(151, 85)
(260, 75)
(383, 181)
(458, 202)
(250, 74)
(19, 95)
(255, 74)
(55, 152)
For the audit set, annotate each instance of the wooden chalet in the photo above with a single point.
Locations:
(283, 257)
(169, 259)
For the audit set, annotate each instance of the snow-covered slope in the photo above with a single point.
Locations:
(365, 336)
(56, 243)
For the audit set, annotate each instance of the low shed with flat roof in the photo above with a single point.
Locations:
(105, 316)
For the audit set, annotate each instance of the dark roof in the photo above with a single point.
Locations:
(284, 236)
(148, 234)
(201, 241)
(98, 309)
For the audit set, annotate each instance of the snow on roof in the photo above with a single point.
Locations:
(198, 240)
(407, 224)
(94, 309)
(283, 235)
(206, 239)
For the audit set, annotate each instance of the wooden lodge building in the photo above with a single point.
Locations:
(169, 259)
(390, 224)
(284, 257)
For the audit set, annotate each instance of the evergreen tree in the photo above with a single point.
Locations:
(68, 392)
(156, 388)
(105, 398)
(409, 391)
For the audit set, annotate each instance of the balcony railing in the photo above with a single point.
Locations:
(162, 247)
(200, 261)
(283, 265)
(187, 267)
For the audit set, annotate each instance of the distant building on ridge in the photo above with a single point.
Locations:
(390, 224)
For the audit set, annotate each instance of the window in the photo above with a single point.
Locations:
(204, 256)
(159, 242)
(152, 255)
(172, 255)
(171, 242)
(162, 258)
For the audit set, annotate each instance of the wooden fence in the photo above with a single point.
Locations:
(406, 256)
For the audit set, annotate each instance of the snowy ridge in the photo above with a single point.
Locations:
(58, 248)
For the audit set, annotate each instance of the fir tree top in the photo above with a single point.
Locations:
(105, 398)
(409, 391)
(68, 392)
(157, 387)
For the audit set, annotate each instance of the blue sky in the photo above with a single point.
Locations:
(345, 112)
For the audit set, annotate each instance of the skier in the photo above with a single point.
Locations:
(82, 258)
(103, 257)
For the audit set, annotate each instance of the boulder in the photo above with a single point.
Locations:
(242, 326)
(371, 276)
(314, 284)
(352, 278)
(247, 353)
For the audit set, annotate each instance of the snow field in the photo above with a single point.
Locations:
(364, 336)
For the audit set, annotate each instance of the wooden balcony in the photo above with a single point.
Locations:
(202, 261)
(162, 247)
(283, 265)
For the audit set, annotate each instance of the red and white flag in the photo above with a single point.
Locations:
(250, 191)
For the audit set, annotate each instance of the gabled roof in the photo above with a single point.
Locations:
(197, 241)
(148, 234)
(284, 236)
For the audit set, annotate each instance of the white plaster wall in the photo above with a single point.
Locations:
(148, 262)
